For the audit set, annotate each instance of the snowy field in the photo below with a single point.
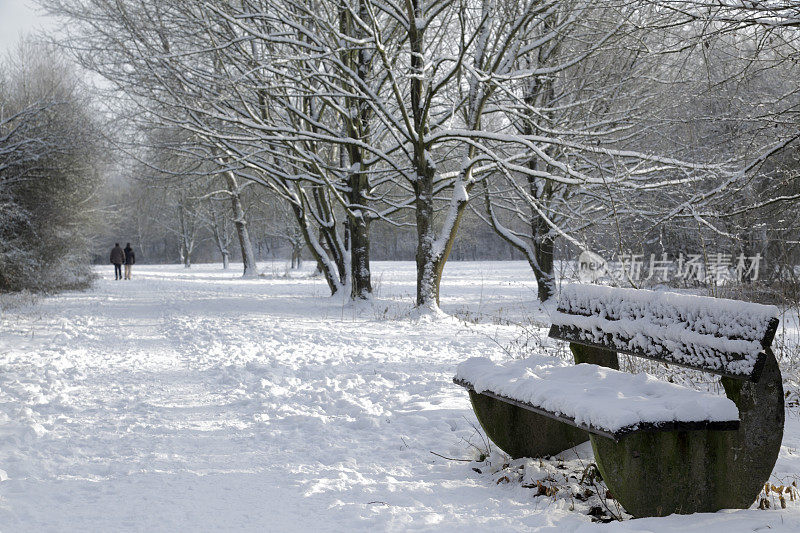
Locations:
(192, 400)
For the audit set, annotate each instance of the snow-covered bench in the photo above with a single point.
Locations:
(661, 448)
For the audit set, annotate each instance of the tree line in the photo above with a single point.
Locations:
(561, 125)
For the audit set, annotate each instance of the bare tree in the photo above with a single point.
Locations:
(353, 111)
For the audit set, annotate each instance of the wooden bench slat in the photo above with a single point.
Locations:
(576, 335)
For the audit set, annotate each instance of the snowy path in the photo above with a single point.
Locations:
(194, 401)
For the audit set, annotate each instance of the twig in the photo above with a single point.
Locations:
(451, 458)
(487, 451)
(602, 497)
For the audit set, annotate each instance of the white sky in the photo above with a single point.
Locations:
(17, 18)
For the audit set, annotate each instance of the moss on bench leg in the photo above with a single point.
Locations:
(660, 473)
(522, 433)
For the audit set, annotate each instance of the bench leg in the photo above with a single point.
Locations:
(594, 356)
(522, 433)
(755, 447)
(661, 473)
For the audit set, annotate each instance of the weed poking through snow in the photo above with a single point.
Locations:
(778, 496)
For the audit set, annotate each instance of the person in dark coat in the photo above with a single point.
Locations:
(130, 259)
(117, 258)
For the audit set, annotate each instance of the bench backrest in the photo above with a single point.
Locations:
(725, 337)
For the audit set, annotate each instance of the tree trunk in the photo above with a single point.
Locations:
(357, 127)
(324, 264)
(427, 278)
(220, 235)
(543, 240)
(439, 249)
(248, 255)
(187, 239)
(186, 256)
(539, 252)
(540, 255)
(357, 230)
(361, 286)
(545, 273)
(427, 287)
(297, 259)
(328, 239)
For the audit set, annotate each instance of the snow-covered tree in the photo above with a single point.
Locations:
(50, 169)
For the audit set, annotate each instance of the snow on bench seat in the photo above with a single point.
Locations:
(722, 336)
(601, 400)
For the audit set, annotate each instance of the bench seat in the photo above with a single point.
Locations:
(599, 400)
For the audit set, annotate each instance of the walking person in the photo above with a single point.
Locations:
(130, 259)
(117, 258)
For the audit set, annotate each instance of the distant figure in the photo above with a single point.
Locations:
(117, 257)
(130, 259)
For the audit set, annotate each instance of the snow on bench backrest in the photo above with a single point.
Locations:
(726, 337)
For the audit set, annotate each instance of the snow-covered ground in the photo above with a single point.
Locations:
(192, 400)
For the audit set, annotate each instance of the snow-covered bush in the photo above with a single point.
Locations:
(49, 154)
